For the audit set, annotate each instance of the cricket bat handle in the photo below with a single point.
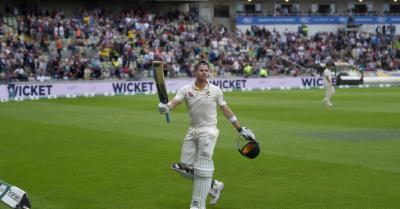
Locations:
(167, 117)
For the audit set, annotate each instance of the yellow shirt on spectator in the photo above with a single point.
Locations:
(263, 73)
(130, 34)
(86, 20)
(115, 63)
(248, 70)
(105, 52)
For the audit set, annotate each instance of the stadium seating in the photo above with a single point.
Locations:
(68, 46)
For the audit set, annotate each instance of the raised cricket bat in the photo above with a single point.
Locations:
(158, 70)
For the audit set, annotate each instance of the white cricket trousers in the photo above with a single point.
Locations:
(199, 141)
(330, 90)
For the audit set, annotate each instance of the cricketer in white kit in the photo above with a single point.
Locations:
(202, 99)
(330, 90)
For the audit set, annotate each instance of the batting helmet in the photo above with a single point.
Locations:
(247, 147)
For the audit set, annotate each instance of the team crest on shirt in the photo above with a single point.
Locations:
(208, 93)
(190, 94)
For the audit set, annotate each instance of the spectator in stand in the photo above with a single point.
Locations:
(135, 38)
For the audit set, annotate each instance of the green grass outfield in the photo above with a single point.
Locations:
(115, 152)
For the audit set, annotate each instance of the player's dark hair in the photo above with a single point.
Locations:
(330, 64)
(202, 62)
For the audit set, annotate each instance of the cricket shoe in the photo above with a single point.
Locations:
(215, 191)
(195, 205)
(327, 102)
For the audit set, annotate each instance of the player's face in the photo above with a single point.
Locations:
(202, 72)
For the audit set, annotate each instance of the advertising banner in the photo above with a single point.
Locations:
(62, 89)
(315, 20)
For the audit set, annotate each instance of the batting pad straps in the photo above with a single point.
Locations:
(232, 119)
(204, 167)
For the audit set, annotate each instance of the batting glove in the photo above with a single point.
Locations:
(163, 108)
(247, 133)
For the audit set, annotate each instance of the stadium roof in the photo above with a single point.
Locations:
(142, 1)
(174, 0)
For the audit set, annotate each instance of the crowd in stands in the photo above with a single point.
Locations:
(95, 44)
(366, 51)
